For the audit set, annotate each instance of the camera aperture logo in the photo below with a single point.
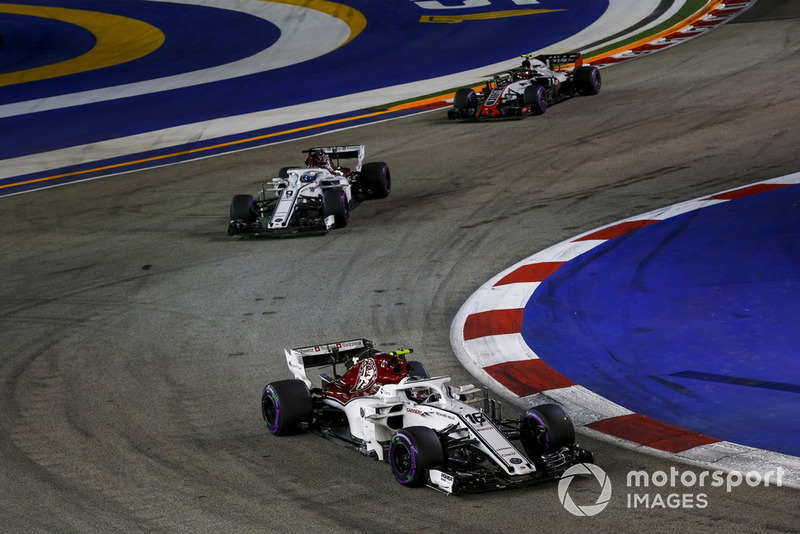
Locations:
(646, 491)
(586, 510)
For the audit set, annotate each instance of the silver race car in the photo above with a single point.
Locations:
(528, 90)
(451, 438)
(315, 197)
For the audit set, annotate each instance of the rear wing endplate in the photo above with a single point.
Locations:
(556, 60)
(342, 152)
(339, 352)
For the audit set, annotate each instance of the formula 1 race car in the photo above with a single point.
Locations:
(313, 198)
(540, 82)
(450, 438)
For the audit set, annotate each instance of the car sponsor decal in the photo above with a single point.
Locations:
(494, 440)
(367, 374)
(494, 96)
(325, 349)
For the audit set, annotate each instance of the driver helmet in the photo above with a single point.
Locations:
(308, 177)
(420, 394)
(523, 75)
(318, 159)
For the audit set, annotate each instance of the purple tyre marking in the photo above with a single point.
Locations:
(412, 458)
(273, 428)
(541, 424)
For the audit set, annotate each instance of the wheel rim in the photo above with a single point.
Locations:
(539, 432)
(270, 411)
(401, 460)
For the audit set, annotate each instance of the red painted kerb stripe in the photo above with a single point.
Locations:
(533, 272)
(617, 230)
(746, 191)
(651, 433)
(493, 323)
(527, 377)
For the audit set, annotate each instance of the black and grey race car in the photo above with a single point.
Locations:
(539, 82)
(315, 197)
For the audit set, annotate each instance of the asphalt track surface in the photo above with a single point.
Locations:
(137, 336)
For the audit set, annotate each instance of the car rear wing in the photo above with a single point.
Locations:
(341, 152)
(330, 354)
(557, 61)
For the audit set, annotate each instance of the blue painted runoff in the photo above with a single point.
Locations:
(30, 42)
(693, 320)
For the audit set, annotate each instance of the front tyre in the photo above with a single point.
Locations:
(334, 202)
(375, 180)
(412, 452)
(243, 208)
(535, 96)
(284, 405)
(546, 429)
(465, 98)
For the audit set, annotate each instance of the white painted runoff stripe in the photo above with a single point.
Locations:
(618, 16)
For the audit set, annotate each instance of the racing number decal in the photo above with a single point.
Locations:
(476, 418)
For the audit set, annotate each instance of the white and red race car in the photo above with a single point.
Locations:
(315, 197)
(451, 438)
(528, 90)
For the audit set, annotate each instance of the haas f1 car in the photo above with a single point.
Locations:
(528, 90)
(451, 438)
(313, 198)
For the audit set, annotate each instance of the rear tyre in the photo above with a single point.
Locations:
(376, 180)
(284, 405)
(412, 452)
(243, 208)
(545, 429)
(284, 171)
(535, 96)
(334, 202)
(417, 369)
(587, 80)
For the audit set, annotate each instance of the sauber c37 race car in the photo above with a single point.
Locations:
(451, 438)
(528, 90)
(314, 198)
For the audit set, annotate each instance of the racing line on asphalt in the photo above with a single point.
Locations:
(114, 90)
